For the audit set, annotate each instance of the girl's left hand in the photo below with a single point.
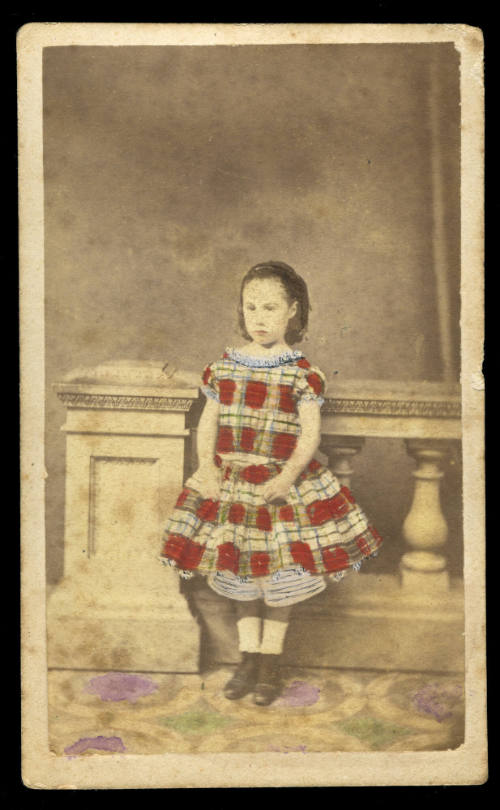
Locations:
(277, 489)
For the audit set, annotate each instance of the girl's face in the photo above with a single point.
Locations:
(267, 311)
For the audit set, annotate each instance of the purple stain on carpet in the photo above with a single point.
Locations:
(114, 744)
(299, 693)
(120, 686)
(437, 699)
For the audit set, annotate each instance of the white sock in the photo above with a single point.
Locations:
(249, 634)
(273, 637)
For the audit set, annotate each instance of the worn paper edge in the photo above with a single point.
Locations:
(43, 769)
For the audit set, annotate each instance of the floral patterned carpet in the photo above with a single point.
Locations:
(319, 710)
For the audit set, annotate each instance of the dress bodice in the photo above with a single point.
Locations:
(259, 399)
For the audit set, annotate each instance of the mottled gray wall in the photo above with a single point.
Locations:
(169, 171)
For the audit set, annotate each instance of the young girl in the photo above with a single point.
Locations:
(261, 518)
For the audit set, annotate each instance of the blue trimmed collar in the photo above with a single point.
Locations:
(264, 362)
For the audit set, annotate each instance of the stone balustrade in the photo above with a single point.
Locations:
(412, 618)
(426, 416)
(128, 452)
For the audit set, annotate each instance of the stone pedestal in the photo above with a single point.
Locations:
(117, 606)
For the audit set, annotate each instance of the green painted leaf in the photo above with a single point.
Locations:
(195, 722)
(376, 733)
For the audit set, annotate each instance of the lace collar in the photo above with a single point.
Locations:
(264, 362)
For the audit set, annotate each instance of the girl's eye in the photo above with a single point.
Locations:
(270, 306)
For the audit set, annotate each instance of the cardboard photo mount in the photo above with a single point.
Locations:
(42, 769)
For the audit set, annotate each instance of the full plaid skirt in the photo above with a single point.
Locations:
(319, 527)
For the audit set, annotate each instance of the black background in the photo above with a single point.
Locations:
(13, 794)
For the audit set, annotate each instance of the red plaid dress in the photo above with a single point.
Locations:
(318, 530)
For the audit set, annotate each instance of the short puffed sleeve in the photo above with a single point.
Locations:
(209, 382)
(310, 383)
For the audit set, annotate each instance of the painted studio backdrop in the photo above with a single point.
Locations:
(169, 171)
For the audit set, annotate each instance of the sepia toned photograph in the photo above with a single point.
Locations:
(251, 294)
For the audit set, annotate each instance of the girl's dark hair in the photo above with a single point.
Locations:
(296, 290)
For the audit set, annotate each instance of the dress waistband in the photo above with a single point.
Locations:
(253, 473)
(245, 460)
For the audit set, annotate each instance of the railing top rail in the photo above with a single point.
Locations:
(352, 407)
(394, 390)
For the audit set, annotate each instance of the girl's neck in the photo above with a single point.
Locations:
(257, 350)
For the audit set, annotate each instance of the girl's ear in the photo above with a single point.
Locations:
(293, 309)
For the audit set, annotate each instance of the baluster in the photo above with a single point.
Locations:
(340, 451)
(425, 529)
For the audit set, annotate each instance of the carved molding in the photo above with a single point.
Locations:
(447, 409)
(124, 402)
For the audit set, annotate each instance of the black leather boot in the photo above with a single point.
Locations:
(269, 683)
(243, 680)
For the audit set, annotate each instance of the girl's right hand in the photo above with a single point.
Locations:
(206, 481)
